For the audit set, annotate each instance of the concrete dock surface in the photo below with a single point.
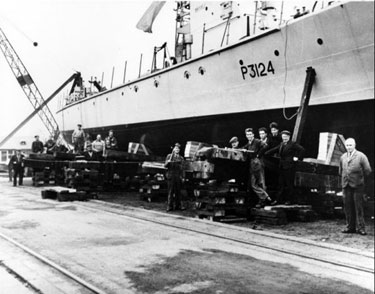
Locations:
(127, 250)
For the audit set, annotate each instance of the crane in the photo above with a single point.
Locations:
(32, 92)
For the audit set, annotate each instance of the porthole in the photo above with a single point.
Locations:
(201, 70)
(187, 74)
(136, 89)
(276, 52)
(106, 99)
(320, 41)
(93, 103)
(156, 83)
(122, 93)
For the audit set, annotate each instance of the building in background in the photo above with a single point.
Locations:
(9, 148)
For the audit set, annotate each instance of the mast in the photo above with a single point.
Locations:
(184, 39)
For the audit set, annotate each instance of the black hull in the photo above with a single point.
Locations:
(353, 119)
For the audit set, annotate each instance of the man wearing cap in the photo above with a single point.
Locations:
(37, 146)
(78, 139)
(289, 153)
(256, 179)
(234, 142)
(174, 163)
(18, 167)
(354, 167)
(110, 141)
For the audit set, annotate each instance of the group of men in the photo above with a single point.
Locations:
(93, 150)
(354, 168)
(49, 147)
(278, 143)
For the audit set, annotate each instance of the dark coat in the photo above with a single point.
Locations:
(174, 164)
(274, 141)
(17, 163)
(37, 147)
(287, 152)
(257, 147)
(92, 157)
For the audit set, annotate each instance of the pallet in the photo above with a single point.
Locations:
(303, 213)
(211, 216)
(64, 194)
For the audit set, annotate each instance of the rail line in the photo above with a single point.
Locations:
(49, 263)
(105, 208)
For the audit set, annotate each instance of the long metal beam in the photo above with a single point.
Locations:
(31, 115)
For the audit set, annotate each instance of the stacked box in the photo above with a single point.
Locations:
(271, 217)
(221, 202)
(192, 148)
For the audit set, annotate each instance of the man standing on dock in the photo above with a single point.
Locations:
(78, 139)
(289, 153)
(256, 179)
(174, 163)
(18, 165)
(354, 166)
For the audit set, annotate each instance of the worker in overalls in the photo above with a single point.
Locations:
(78, 139)
(174, 163)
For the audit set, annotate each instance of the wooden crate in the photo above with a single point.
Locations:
(331, 147)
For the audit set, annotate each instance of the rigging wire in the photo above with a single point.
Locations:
(19, 30)
(286, 74)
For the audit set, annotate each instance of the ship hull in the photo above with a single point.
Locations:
(352, 119)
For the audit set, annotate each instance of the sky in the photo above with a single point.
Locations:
(90, 36)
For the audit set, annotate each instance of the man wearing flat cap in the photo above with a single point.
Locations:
(234, 142)
(78, 139)
(289, 153)
(174, 163)
(37, 146)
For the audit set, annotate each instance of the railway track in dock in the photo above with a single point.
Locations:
(87, 253)
(330, 254)
(35, 283)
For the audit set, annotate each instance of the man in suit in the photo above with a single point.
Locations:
(256, 179)
(289, 153)
(37, 146)
(174, 163)
(18, 165)
(354, 167)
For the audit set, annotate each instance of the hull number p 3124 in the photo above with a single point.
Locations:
(256, 70)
